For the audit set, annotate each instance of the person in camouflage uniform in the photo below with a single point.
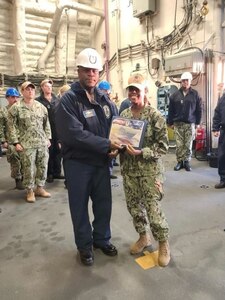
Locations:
(29, 118)
(13, 157)
(184, 114)
(142, 172)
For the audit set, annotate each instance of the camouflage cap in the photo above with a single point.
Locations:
(46, 81)
(26, 84)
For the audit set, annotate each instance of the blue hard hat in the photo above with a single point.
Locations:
(12, 92)
(104, 85)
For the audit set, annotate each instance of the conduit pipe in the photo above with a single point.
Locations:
(55, 26)
(212, 60)
(118, 46)
(209, 93)
(222, 27)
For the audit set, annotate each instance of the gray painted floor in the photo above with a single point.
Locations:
(38, 258)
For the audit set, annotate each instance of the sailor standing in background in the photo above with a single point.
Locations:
(184, 115)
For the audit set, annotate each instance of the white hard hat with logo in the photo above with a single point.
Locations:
(89, 58)
(186, 75)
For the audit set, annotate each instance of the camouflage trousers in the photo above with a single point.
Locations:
(35, 164)
(143, 197)
(184, 135)
(14, 159)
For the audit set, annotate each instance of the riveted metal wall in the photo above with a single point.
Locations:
(36, 38)
(30, 33)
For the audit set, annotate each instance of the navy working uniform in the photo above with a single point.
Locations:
(83, 128)
(219, 126)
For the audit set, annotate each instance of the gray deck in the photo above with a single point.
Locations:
(38, 257)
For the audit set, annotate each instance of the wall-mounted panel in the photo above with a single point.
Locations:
(191, 60)
(143, 7)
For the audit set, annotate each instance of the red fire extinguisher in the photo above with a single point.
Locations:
(200, 139)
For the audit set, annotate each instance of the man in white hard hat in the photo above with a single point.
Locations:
(86, 149)
(184, 114)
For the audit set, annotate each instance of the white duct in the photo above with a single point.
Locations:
(19, 36)
(55, 26)
(61, 46)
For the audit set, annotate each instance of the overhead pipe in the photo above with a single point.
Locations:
(55, 26)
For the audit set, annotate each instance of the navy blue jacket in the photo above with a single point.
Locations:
(50, 107)
(187, 109)
(219, 115)
(83, 127)
(126, 103)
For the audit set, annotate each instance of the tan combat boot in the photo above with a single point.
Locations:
(164, 254)
(138, 247)
(41, 192)
(30, 196)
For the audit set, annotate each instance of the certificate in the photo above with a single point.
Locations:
(128, 131)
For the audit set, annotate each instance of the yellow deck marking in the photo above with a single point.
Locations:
(148, 260)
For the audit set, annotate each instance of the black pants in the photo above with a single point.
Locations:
(55, 159)
(221, 155)
(84, 182)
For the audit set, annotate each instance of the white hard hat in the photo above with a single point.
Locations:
(89, 58)
(186, 75)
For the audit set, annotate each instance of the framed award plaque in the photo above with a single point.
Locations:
(128, 131)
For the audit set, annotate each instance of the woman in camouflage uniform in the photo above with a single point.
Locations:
(142, 172)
